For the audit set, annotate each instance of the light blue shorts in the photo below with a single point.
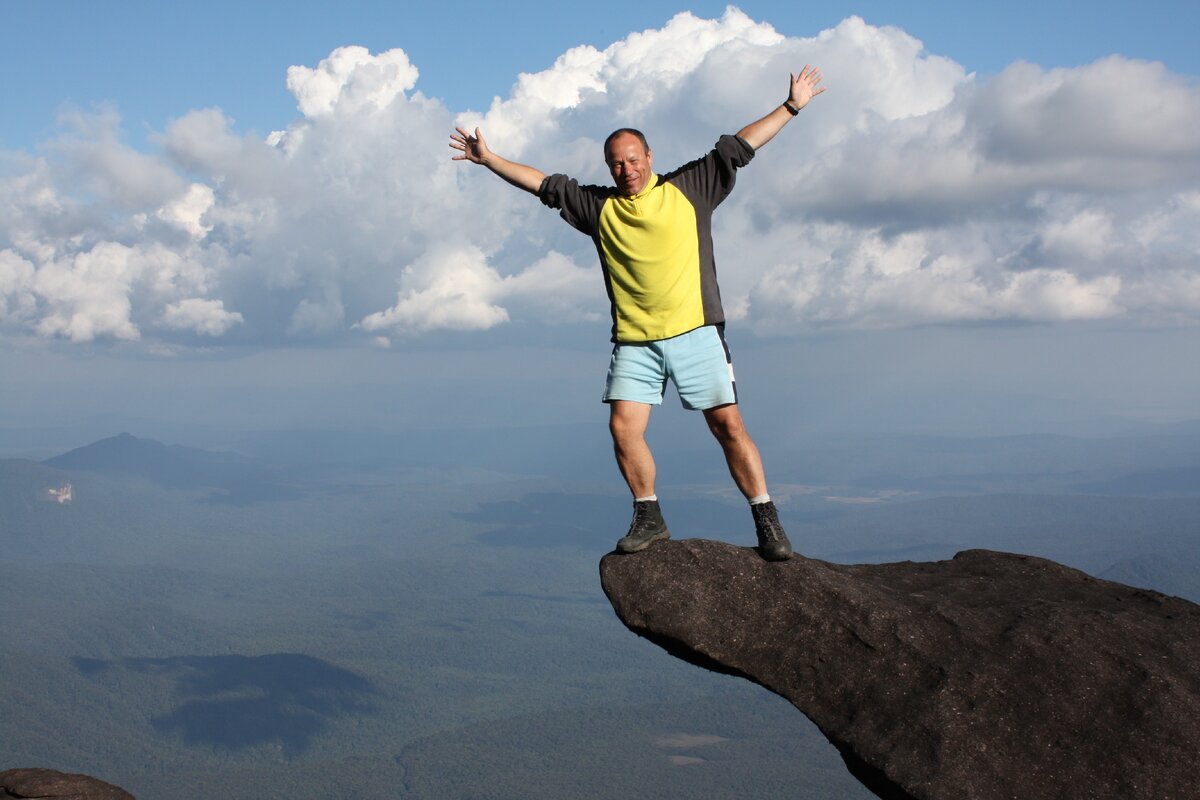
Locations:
(697, 361)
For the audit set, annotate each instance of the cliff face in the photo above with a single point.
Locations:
(987, 676)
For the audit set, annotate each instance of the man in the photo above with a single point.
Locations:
(654, 237)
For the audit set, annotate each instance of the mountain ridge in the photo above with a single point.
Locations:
(175, 466)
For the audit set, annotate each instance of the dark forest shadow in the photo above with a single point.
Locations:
(236, 702)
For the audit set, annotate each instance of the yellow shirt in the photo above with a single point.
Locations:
(653, 255)
(656, 246)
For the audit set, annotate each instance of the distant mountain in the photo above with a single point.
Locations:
(172, 466)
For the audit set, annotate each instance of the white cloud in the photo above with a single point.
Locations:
(1115, 108)
(17, 300)
(317, 317)
(909, 193)
(553, 289)
(187, 211)
(1087, 235)
(88, 295)
(453, 288)
(351, 79)
(919, 278)
(92, 156)
(207, 317)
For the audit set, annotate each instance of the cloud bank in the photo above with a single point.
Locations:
(910, 193)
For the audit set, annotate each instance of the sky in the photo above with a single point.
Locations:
(245, 215)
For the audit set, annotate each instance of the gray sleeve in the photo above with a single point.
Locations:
(579, 205)
(709, 180)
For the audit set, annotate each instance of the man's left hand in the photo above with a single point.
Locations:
(805, 87)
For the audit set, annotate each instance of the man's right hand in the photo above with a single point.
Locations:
(473, 147)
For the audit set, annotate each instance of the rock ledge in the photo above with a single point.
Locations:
(48, 784)
(990, 675)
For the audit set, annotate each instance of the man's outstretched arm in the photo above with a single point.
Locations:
(474, 149)
(804, 87)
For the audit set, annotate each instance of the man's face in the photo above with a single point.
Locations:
(629, 163)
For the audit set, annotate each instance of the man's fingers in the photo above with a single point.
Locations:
(809, 73)
(471, 146)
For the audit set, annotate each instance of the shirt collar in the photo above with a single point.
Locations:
(650, 184)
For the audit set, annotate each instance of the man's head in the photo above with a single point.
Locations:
(629, 160)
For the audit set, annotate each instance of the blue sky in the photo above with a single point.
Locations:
(988, 223)
(155, 61)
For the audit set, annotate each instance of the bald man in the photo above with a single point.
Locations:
(653, 234)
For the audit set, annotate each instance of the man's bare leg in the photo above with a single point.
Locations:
(745, 465)
(741, 454)
(627, 422)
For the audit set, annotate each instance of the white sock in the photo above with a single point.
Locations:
(761, 498)
(643, 499)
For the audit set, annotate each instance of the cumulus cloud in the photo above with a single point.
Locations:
(16, 287)
(207, 317)
(186, 211)
(455, 288)
(554, 289)
(351, 79)
(87, 295)
(451, 288)
(91, 155)
(910, 193)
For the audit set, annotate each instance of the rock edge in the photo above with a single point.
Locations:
(991, 675)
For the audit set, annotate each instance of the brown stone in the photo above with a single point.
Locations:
(36, 784)
(990, 675)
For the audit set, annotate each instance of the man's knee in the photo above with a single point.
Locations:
(627, 421)
(726, 424)
(619, 428)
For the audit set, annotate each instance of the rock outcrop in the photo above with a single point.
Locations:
(990, 675)
(48, 784)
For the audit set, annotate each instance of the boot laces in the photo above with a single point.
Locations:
(641, 517)
(768, 524)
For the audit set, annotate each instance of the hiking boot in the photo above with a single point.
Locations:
(647, 527)
(773, 544)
